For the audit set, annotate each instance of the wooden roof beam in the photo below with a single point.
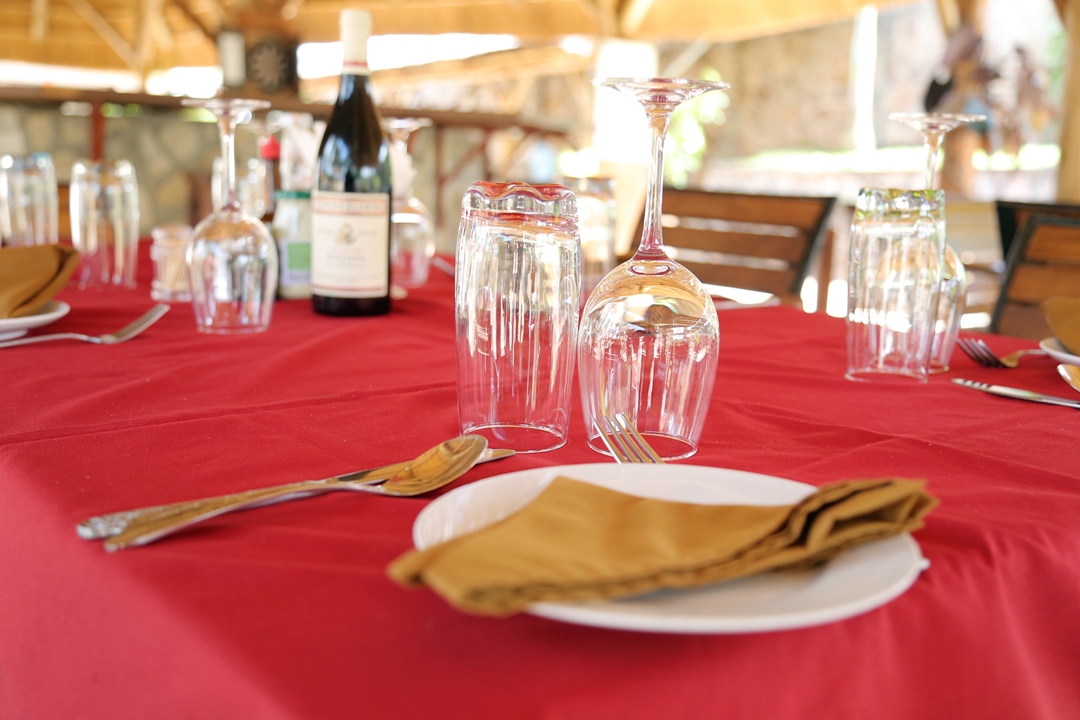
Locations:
(604, 14)
(108, 33)
(194, 19)
(633, 15)
(39, 19)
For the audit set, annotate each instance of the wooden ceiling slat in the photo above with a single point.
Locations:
(317, 20)
(113, 39)
(39, 19)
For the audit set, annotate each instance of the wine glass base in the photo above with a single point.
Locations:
(522, 439)
(668, 447)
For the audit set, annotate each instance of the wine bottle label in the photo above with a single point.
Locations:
(350, 244)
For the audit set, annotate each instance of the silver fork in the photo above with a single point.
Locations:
(624, 441)
(125, 333)
(981, 353)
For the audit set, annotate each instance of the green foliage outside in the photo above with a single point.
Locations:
(686, 142)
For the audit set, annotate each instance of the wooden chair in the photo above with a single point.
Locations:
(1043, 262)
(1013, 215)
(765, 243)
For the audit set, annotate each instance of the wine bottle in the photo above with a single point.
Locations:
(350, 241)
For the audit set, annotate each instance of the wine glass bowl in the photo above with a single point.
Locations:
(648, 348)
(649, 336)
(232, 257)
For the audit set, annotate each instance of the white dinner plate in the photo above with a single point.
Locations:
(11, 328)
(861, 579)
(1054, 348)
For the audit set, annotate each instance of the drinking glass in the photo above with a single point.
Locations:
(894, 280)
(596, 219)
(105, 222)
(516, 299)
(169, 251)
(412, 242)
(649, 335)
(29, 208)
(232, 258)
(953, 296)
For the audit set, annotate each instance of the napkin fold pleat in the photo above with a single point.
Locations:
(31, 275)
(579, 541)
(1063, 316)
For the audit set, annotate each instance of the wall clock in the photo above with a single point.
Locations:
(272, 65)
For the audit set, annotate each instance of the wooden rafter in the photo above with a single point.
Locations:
(107, 32)
(152, 34)
(193, 18)
(633, 15)
(39, 19)
(604, 14)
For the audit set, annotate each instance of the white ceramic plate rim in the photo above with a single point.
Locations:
(17, 327)
(862, 579)
(1053, 347)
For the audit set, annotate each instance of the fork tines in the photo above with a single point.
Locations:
(978, 351)
(624, 441)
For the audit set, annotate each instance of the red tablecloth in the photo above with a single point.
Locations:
(286, 611)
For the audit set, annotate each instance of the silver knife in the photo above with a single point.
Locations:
(1017, 393)
(106, 526)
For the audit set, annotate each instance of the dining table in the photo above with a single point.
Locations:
(287, 611)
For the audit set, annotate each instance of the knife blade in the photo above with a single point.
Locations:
(1017, 393)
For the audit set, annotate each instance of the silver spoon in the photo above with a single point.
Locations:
(1071, 374)
(439, 466)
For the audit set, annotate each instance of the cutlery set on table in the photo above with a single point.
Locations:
(1065, 322)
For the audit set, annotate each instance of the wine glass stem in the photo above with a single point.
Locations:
(227, 131)
(932, 145)
(652, 243)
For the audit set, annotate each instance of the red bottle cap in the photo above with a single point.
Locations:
(269, 148)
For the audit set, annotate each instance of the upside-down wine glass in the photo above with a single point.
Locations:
(412, 241)
(951, 301)
(232, 257)
(649, 336)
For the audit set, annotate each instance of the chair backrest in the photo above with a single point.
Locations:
(1043, 262)
(754, 242)
(1013, 215)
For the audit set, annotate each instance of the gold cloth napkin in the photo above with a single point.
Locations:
(1063, 316)
(31, 275)
(580, 541)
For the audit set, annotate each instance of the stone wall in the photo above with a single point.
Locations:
(165, 150)
(787, 92)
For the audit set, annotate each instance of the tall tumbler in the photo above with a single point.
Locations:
(105, 221)
(516, 297)
(29, 208)
(894, 282)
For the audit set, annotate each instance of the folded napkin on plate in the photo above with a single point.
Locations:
(31, 275)
(1063, 317)
(579, 541)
